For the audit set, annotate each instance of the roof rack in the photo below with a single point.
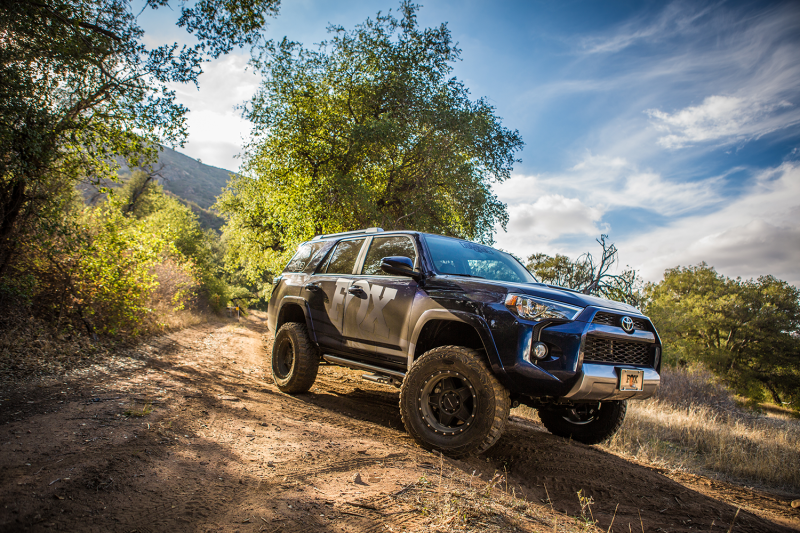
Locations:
(345, 233)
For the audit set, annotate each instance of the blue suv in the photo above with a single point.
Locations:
(465, 332)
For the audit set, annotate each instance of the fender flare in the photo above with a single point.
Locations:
(477, 322)
(304, 306)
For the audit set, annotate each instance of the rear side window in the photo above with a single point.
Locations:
(305, 253)
(343, 258)
(386, 247)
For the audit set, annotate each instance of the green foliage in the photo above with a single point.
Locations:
(370, 129)
(113, 271)
(744, 330)
(80, 89)
(589, 276)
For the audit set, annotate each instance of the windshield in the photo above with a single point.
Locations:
(464, 258)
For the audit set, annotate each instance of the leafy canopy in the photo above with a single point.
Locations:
(80, 88)
(369, 129)
(744, 330)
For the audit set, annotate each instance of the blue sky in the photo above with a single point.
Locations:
(674, 127)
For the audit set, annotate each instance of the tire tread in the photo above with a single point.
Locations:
(472, 359)
(306, 358)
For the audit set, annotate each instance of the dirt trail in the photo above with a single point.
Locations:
(192, 436)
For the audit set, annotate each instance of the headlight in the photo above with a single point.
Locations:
(539, 308)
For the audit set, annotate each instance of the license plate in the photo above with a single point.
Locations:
(631, 380)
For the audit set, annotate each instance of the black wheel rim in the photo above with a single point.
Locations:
(582, 414)
(448, 402)
(283, 360)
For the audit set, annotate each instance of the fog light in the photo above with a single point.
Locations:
(539, 350)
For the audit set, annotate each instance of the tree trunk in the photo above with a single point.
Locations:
(11, 206)
(775, 396)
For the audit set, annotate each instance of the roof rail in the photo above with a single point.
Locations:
(344, 233)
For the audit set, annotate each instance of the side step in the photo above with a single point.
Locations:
(380, 375)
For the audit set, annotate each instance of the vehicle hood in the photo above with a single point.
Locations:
(568, 296)
(499, 289)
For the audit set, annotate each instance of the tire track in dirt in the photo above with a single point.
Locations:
(195, 437)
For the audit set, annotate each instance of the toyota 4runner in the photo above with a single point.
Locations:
(465, 331)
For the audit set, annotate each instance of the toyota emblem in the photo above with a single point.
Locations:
(627, 324)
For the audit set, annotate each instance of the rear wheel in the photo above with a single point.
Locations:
(590, 423)
(451, 402)
(295, 359)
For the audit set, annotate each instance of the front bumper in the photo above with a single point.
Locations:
(601, 382)
(583, 360)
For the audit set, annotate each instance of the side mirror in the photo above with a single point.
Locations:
(399, 266)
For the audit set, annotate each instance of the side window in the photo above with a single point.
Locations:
(343, 258)
(385, 247)
(304, 255)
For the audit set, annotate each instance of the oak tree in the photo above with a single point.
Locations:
(744, 330)
(80, 89)
(368, 129)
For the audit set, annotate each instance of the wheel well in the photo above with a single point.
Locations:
(447, 333)
(290, 313)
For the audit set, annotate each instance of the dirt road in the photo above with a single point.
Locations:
(191, 435)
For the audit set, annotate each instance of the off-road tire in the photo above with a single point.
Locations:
(602, 425)
(481, 396)
(295, 359)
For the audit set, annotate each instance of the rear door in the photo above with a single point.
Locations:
(326, 290)
(379, 305)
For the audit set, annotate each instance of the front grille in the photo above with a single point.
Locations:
(623, 352)
(610, 319)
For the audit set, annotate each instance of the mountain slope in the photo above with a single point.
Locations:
(195, 184)
(190, 179)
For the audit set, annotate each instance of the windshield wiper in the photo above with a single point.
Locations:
(467, 276)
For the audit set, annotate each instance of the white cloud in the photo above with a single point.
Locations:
(677, 18)
(534, 225)
(608, 182)
(756, 234)
(217, 132)
(554, 215)
(727, 118)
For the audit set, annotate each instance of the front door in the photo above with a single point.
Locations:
(378, 305)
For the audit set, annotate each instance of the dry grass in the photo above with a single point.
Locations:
(33, 349)
(453, 501)
(694, 424)
(703, 431)
(165, 318)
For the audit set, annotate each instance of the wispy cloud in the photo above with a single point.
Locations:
(704, 75)
(677, 18)
(547, 208)
(757, 234)
(608, 182)
(726, 118)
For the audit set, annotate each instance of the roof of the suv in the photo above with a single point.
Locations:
(346, 233)
(375, 231)
(356, 233)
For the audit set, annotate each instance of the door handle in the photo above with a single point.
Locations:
(356, 290)
(311, 287)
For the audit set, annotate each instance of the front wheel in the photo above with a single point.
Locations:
(587, 423)
(451, 402)
(295, 359)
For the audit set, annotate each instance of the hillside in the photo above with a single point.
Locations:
(191, 180)
(195, 184)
